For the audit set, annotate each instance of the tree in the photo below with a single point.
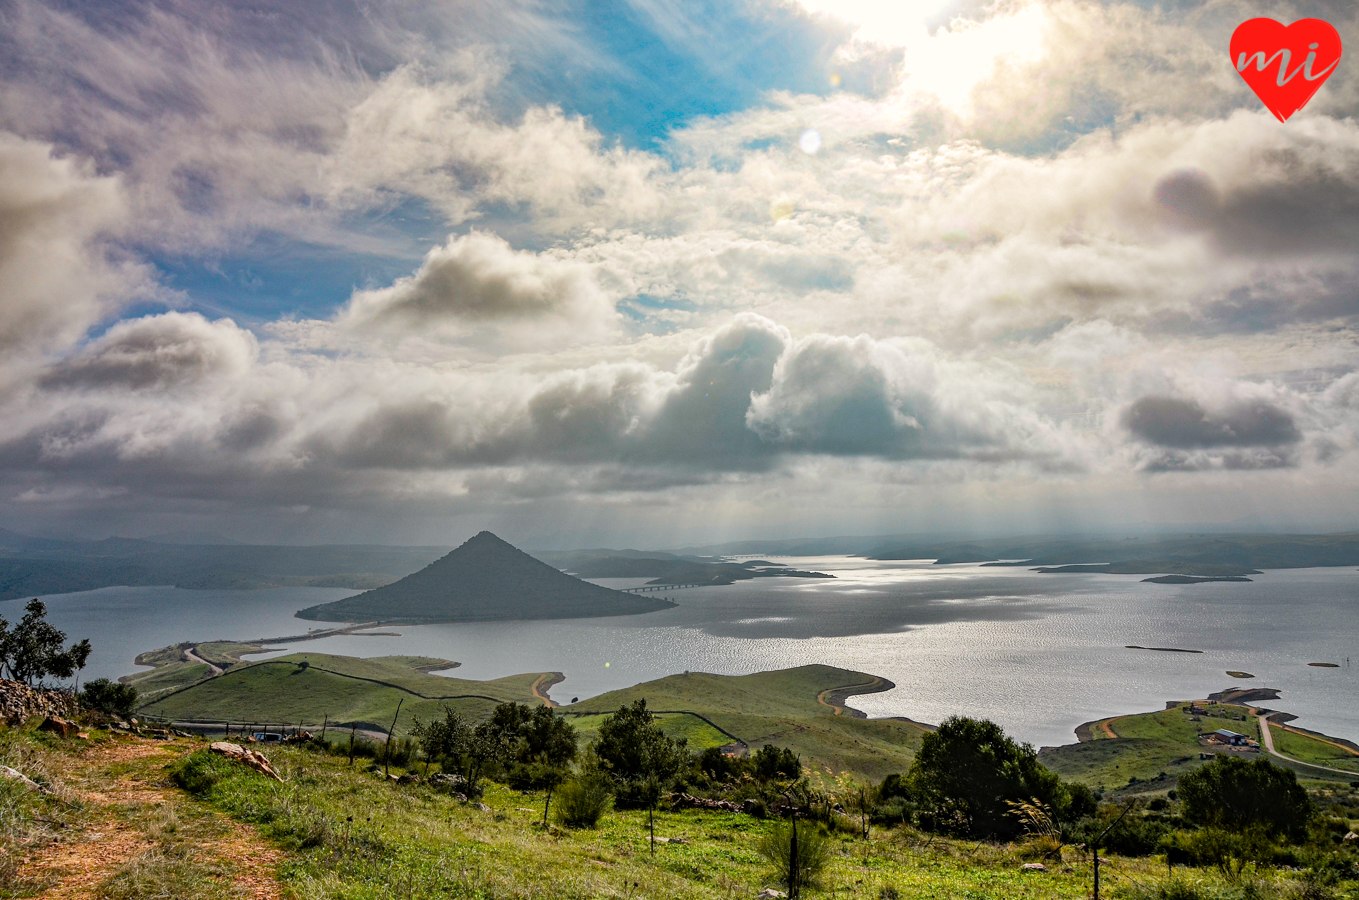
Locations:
(109, 697)
(32, 651)
(1234, 794)
(639, 757)
(968, 770)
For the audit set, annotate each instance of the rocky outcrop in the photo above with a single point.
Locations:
(251, 758)
(19, 702)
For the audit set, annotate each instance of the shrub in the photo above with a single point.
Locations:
(582, 802)
(109, 698)
(813, 853)
(199, 772)
(1234, 794)
(967, 770)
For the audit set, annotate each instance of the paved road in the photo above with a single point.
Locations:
(1268, 740)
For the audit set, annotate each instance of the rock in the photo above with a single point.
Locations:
(688, 801)
(251, 758)
(15, 775)
(483, 807)
(409, 778)
(769, 894)
(461, 798)
(59, 726)
(1350, 838)
(671, 840)
(1033, 867)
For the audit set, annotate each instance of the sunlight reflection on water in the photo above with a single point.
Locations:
(1038, 653)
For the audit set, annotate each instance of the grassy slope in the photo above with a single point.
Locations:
(1313, 750)
(424, 845)
(347, 689)
(780, 708)
(1166, 742)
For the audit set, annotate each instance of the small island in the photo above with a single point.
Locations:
(1192, 579)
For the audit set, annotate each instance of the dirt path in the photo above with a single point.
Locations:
(835, 697)
(123, 785)
(193, 657)
(543, 684)
(1108, 726)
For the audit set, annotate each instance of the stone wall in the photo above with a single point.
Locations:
(18, 702)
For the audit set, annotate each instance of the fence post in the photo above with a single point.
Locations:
(387, 750)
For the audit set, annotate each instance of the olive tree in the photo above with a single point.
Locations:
(33, 649)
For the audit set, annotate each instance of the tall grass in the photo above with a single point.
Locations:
(814, 850)
(581, 802)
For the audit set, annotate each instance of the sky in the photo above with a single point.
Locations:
(650, 273)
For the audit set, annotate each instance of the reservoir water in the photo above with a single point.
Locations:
(1037, 653)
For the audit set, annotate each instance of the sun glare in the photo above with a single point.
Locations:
(896, 23)
(953, 62)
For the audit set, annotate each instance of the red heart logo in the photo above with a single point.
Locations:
(1285, 66)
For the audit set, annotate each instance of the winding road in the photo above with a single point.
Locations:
(191, 656)
(1268, 740)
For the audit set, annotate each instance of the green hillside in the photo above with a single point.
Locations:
(1148, 752)
(794, 708)
(309, 687)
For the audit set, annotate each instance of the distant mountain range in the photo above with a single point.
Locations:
(32, 567)
(485, 579)
(1207, 555)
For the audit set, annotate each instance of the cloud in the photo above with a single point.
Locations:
(59, 270)
(1185, 424)
(480, 278)
(165, 351)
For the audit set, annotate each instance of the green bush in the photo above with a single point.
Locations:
(813, 852)
(581, 802)
(1234, 794)
(109, 698)
(199, 772)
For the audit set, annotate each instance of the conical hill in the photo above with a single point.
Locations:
(483, 580)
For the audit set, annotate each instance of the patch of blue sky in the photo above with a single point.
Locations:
(650, 314)
(654, 66)
(276, 277)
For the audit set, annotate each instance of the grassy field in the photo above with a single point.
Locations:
(357, 837)
(1151, 750)
(1314, 750)
(780, 708)
(309, 687)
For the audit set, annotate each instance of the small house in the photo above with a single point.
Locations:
(1223, 736)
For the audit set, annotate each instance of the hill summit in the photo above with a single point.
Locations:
(483, 580)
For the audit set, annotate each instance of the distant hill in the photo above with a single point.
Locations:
(802, 708)
(485, 579)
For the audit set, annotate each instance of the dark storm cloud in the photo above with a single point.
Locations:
(1297, 202)
(1186, 425)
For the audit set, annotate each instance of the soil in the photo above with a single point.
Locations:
(123, 785)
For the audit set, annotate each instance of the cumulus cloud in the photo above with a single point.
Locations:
(59, 271)
(479, 278)
(165, 351)
(1058, 237)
